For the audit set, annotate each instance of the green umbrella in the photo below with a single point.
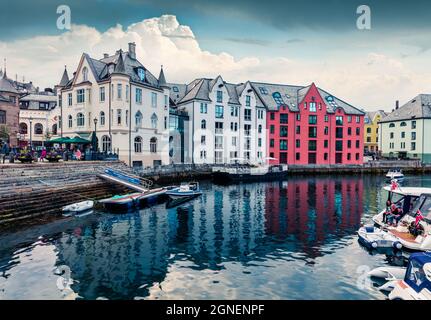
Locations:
(78, 140)
(60, 140)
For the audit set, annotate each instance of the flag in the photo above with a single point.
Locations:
(394, 185)
(419, 217)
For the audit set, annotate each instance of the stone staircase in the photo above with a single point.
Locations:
(33, 190)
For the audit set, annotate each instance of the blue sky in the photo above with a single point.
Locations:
(304, 40)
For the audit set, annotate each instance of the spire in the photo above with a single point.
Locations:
(119, 67)
(1, 73)
(65, 78)
(162, 79)
(4, 73)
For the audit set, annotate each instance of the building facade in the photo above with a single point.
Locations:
(405, 132)
(371, 130)
(9, 110)
(123, 103)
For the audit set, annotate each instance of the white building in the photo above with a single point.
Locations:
(122, 101)
(228, 121)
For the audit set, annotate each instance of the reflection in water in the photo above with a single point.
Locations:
(292, 239)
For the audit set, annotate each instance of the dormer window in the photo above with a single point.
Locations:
(263, 90)
(219, 96)
(277, 98)
(141, 74)
(85, 74)
(111, 68)
(175, 89)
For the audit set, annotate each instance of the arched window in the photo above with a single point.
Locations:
(85, 74)
(106, 144)
(138, 119)
(38, 128)
(203, 124)
(80, 121)
(259, 129)
(138, 144)
(69, 121)
(154, 121)
(403, 124)
(23, 128)
(278, 99)
(102, 118)
(54, 129)
(392, 125)
(153, 145)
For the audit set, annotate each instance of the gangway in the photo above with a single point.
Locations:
(125, 180)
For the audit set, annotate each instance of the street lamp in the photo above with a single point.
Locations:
(31, 131)
(95, 135)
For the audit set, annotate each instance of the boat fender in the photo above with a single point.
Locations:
(374, 244)
(397, 245)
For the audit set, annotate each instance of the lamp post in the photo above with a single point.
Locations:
(95, 135)
(31, 131)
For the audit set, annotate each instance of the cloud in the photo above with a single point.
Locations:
(256, 42)
(366, 80)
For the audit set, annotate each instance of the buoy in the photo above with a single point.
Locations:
(374, 244)
(397, 245)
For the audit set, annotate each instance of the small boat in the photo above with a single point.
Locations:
(121, 203)
(247, 173)
(416, 283)
(395, 174)
(390, 275)
(374, 238)
(78, 207)
(189, 190)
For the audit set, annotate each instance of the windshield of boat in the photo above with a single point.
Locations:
(424, 205)
(416, 277)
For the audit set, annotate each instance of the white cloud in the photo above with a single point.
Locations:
(370, 81)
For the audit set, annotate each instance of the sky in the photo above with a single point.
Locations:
(290, 42)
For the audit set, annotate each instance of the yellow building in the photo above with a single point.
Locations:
(371, 130)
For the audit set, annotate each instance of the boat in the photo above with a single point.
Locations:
(247, 173)
(189, 190)
(416, 283)
(122, 202)
(395, 174)
(414, 229)
(374, 238)
(389, 275)
(78, 207)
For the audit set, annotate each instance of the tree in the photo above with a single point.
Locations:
(4, 133)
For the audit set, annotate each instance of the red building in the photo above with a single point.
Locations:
(307, 125)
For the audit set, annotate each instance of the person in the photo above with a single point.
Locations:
(78, 154)
(43, 154)
(4, 151)
(395, 215)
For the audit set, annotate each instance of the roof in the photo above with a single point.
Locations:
(39, 97)
(370, 115)
(409, 191)
(7, 85)
(417, 108)
(162, 79)
(4, 99)
(64, 79)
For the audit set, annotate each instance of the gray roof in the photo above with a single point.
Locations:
(39, 97)
(369, 116)
(64, 79)
(124, 65)
(4, 99)
(418, 107)
(7, 85)
(162, 79)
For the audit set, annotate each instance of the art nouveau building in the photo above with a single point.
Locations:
(227, 121)
(123, 102)
(371, 130)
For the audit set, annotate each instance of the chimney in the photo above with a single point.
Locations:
(105, 55)
(132, 50)
(397, 105)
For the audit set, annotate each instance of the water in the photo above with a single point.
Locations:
(279, 240)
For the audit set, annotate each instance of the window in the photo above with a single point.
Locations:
(298, 117)
(22, 126)
(278, 99)
(219, 96)
(368, 139)
(403, 145)
(138, 119)
(106, 144)
(298, 156)
(298, 130)
(219, 127)
(154, 121)
(85, 74)
(259, 142)
(80, 120)
(218, 142)
(414, 124)
(271, 143)
(38, 128)
(102, 118)
(138, 144)
(204, 108)
(165, 122)
(234, 141)
(358, 131)
(70, 122)
(284, 118)
(203, 124)
(326, 118)
(271, 129)
(247, 129)
(413, 135)
(218, 155)
(392, 125)
(403, 135)
(138, 95)
(312, 132)
(312, 119)
(154, 99)
(2, 117)
(358, 119)
(357, 144)
(54, 129)
(102, 94)
(325, 144)
(141, 74)
(119, 91)
(260, 114)
(339, 145)
(263, 90)
(283, 144)
(203, 140)
(391, 135)
(312, 106)
(272, 116)
(339, 133)
(349, 156)
(118, 116)
(283, 131)
(312, 145)
(234, 126)
(326, 131)
(127, 92)
(80, 96)
(298, 143)
(203, 154)
(325, 156)
(175, 89)
(247, 114)
(349, 131)
(153, 145)
(368, 130)
(219, 111)
(127, 117)
(413, 146)
(259, 128)
(166, 100)
(403, 124)
(349, 144)
(247, 101)
(234, 111)
(349, 119)
(339, 120)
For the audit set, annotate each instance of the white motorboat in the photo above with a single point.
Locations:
(79, 207)
(374, 238)
(189, 190)
(395, 174)
(389, 274)
(416, 283)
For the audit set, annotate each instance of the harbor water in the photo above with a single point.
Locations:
(294, 239)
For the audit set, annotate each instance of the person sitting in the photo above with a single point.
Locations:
(415, 228)
(395, 216)
(78, 154)
(387, 212)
